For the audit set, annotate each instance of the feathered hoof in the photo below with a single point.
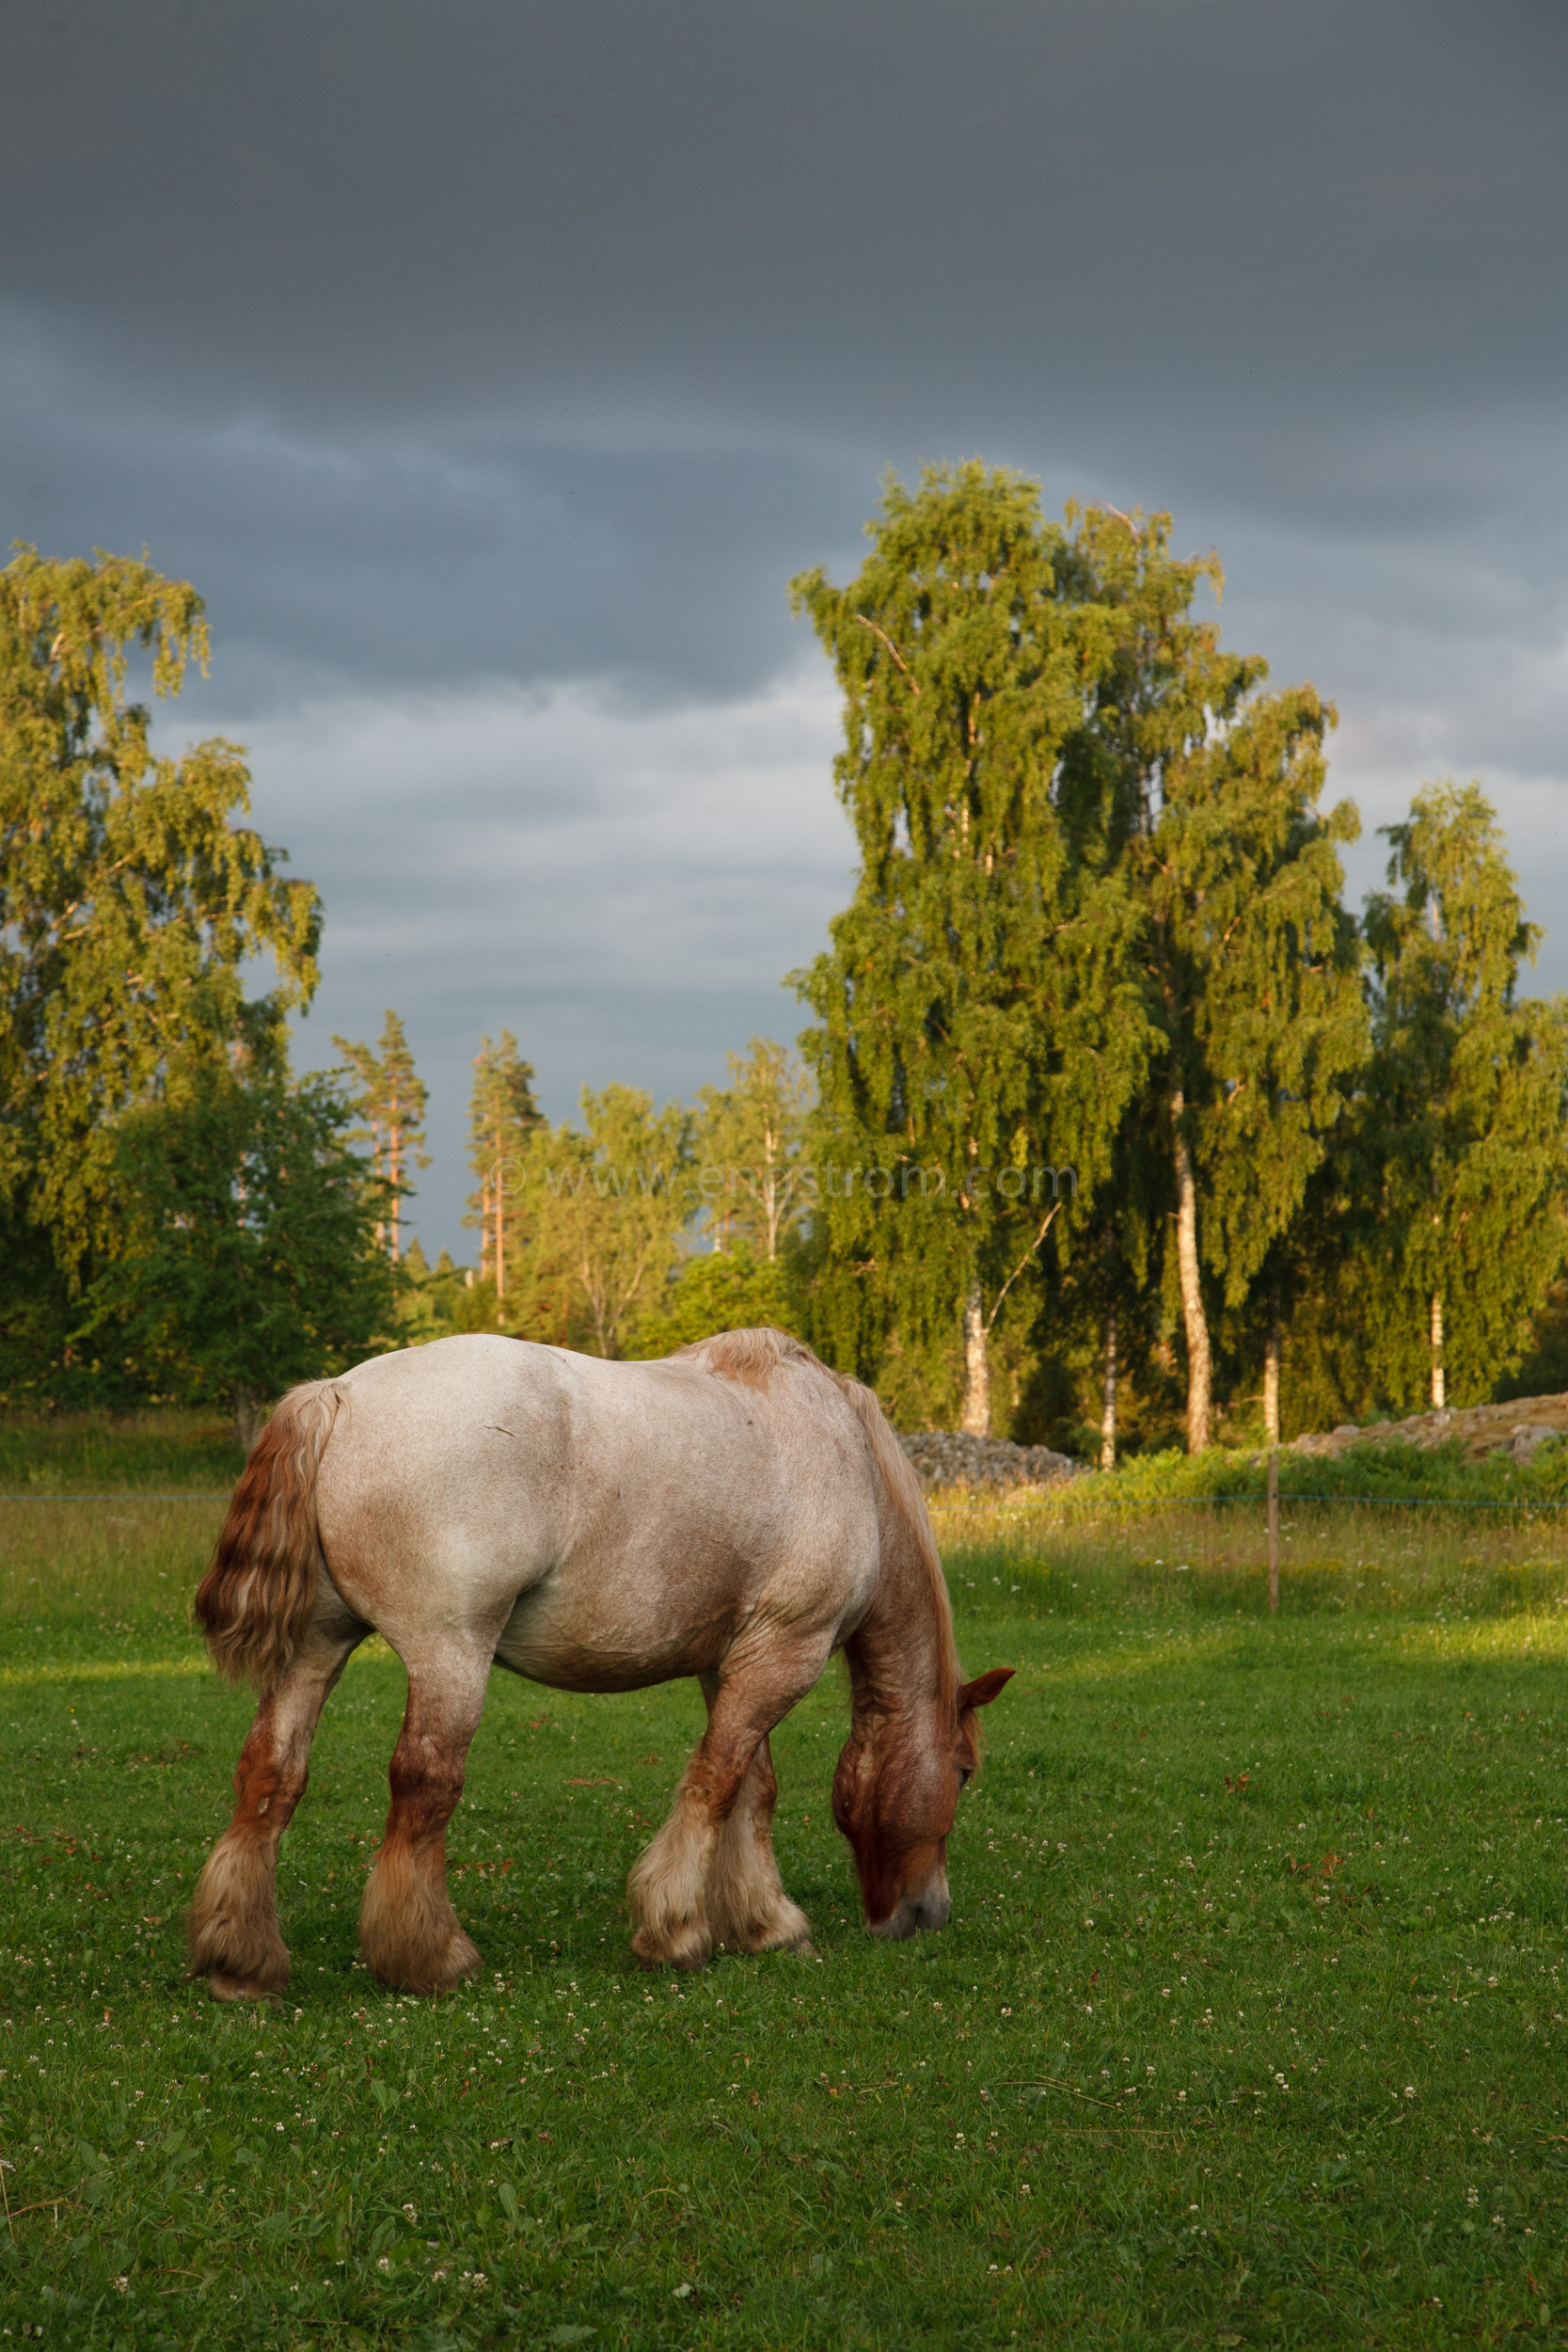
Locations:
(410, 1938)
(431, 1968)
(223, 1987)
(688, 1946)
(788, 1932)
(784, 1929)
(235, 1944)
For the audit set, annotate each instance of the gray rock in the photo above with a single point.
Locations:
(1528, 1440)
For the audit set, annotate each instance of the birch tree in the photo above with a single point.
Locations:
(131, 893)
(607, 1203)
(979, 1028)
(751, 1134)
(1205, 791)
(1463, 1109)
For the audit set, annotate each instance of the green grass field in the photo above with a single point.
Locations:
(1247, 2029)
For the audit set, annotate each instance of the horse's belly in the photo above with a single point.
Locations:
(615, 1632)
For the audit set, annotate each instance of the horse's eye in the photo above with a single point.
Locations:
(966, 1773)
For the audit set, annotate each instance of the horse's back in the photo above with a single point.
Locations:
(619, 1521)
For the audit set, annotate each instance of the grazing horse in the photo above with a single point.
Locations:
(737, 1512)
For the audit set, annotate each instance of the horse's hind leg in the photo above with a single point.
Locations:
(747, 1909)
(232, 1924)
(410, 1936)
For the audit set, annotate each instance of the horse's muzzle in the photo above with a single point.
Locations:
(930, 1908)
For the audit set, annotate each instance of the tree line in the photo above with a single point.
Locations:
(1112, 1121)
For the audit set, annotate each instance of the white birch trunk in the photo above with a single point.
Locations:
(1108, 1417)
(1198, 1371)
(1271, 1381)
(976, 1418)
(1439, 1378)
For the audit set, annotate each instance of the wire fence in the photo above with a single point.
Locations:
(1288, 1496)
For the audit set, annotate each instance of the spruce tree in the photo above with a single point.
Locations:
(979, 1029)
(1464, 1109)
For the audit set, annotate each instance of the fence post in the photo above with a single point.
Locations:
(1274, 1531)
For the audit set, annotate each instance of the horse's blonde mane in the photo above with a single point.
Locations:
(752, 1357)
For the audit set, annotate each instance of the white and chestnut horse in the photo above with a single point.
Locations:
(737, 1512)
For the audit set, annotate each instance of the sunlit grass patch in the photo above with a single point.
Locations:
(1248, 2028)
(1192, 1560)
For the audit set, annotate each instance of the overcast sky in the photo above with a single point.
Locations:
(490, 366)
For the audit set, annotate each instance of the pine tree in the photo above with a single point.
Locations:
(1204, 793)
(1464, 1109)
(393, 1103)
(978, 1030)
(502, 1116)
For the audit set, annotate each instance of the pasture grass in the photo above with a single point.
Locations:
(1247, 2029)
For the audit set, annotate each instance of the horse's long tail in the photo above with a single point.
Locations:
(255, 1601)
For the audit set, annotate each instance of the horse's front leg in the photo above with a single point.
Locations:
(669, 1888)
(747, 1909)
(411, 1938)
(235, 1941)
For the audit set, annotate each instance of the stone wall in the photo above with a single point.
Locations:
(1517, 1429)
(949, 1457)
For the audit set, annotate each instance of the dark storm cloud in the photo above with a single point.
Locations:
(858, 214)
(491, 367)
(343, 558)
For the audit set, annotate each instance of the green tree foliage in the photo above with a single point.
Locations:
(391, 1102)
(1109, 1290)
(1544, 1371)
(599, 1222)
(750, 1141)
(979, 1022)
(1201, 793)
(433, 1301)
(130, 897)
(713, 1291)
(1464, 1109)
(502, 1118)
(250, 1257)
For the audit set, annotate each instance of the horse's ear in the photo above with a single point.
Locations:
(985, 1688)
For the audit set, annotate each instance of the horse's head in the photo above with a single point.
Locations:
(894, 1795)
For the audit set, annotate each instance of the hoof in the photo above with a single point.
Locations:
(787, 1930)
(791, 1933)
(234, 1972)
(221, 1986)
(430, 1972)
(685, 1947)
